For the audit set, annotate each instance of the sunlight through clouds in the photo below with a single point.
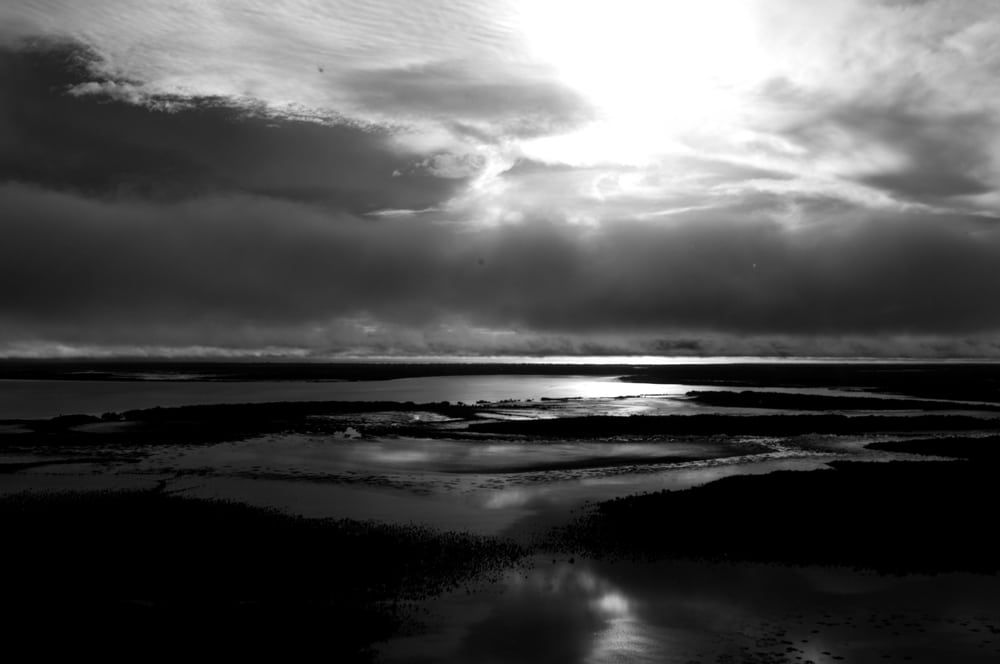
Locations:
(625, 176)
(655, 70)
(768, 84)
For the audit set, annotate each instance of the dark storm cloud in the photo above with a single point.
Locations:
(209, 270)
(174, 148)
(754, 275)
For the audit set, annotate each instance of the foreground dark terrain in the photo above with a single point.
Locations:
(120, 569)
(172, 526)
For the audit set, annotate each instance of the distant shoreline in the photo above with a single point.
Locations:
(639, 369)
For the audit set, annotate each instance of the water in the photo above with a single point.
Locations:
(485, 486)
(48, 398)
(555, 608)
(30, 399)
(588, 611)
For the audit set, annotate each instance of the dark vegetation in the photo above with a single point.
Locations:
(246, 371)
(972, 382)
(969, 381)
(210, 423)
(146, 569)
(784, 401)
(752, 425)
(897, 517)
(985, 449)
(228, 422)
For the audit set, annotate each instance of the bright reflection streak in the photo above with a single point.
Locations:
(509, 498)
(683, 612)
(620, 635)
(613, 604)
(400, 456)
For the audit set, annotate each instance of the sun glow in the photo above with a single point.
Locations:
(656, 70)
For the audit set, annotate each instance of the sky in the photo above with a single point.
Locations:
(316, 179)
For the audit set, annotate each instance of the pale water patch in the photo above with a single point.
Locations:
(27, 399)
(355, 501)
(320, 456)
(484, 487)
(481, 485)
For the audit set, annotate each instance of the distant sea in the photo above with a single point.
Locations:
(31, 399)
(41, 389)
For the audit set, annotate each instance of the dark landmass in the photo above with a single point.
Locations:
(121, 370)
(752, 425)
(143, 569)
(286, 411)
(118, 571)
(783, 401)
(207, 424)
(896, 517)
(965, 381)
(948, 380)
(983, 449)
(16, 467)
(630, 462)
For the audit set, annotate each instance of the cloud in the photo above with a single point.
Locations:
(940, 157)
(893, 103)
(385, 63)
(392, 187)
(246, 271)
(900, 146)
(103, 144)
(890, 102)
(510, 102)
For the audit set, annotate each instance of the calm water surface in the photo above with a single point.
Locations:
(49, 398)
(590, 611)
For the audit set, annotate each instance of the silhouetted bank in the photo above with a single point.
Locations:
(209, 423)
(115, 570)
(967, 381)
(785, 401)
(754, 425)
(978, 381)
(211, 371)
(981, 449)
(896, 517)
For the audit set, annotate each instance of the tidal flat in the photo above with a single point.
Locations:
(748, 516)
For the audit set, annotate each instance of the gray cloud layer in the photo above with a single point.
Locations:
(506, 103)
(901, 145)
(87, 267)
(129, 225)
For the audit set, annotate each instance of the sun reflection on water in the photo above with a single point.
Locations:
(562, 612)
